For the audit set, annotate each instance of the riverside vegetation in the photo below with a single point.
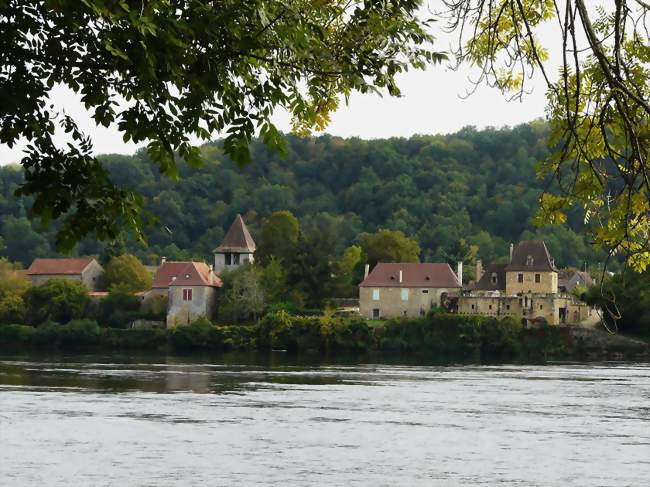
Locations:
(444, 337)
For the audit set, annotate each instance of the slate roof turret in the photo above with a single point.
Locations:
(238, 239)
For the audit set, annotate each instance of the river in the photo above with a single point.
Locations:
(240, 421)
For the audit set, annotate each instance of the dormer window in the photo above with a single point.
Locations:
(494, 278)
(529, 260)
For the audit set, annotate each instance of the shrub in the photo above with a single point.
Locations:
(500, 339)
(78, 333)
(120, 307)
(16, 334)
(60, 300)
(351, 333)
(282, 331)
(200, 334)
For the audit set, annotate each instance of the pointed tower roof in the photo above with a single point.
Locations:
(238, 239)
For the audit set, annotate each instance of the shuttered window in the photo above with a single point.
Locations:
(187, 295)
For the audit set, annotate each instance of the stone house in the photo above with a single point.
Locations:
(569, 280)
(525, 288)
(531, 269)
(192, 294)
(83, 269)
(237, 248)
(405, 289)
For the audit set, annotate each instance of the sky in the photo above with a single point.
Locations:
(433, 102)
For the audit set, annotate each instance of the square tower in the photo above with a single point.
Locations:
(237, 248)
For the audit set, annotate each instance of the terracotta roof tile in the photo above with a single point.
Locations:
(237, 239)
(185, 273)
(413, 275)
(59, 266)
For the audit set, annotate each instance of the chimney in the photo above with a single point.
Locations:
(459, 273)
(366, 271)
(163, 259)
(512, 249)
(479, 270)
(400, 276)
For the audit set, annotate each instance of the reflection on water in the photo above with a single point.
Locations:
(278, 420)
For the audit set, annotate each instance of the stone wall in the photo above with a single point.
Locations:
(181, 312)
(391, 302)
(554, 308)
(547, 284)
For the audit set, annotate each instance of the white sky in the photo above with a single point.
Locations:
(431, 103)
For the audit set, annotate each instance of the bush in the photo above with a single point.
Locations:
(60, 300)
(119, 308)
(78, 333)
(500, 339)
(11, 335)
(201, 334)
(282, 331)
(348, 334)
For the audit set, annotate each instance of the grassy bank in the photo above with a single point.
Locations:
(444, 336)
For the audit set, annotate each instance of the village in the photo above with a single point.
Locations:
(528, 288)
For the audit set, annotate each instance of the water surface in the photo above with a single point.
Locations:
(167, 421)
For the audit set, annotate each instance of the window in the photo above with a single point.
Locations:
(490, 306)
(375, 294)
(375, 313)
(228, 258)
(187, 295)
(520, 278)
(425, 291)
(494, 278)
(541, 307)
(472, 306)
(538, 278)
(405, 294)
(507, 306)
(235, 259)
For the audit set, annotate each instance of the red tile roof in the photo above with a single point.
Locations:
(59, 266)
(425, 275)
(184, 274)
(238, 238)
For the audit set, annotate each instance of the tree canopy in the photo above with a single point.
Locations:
(389, 246)
(598, 104)
(476, 185)
(164, 72)
(128, 272)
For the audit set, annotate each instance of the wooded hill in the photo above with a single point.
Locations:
(472, 188)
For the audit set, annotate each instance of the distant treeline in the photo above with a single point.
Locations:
(474, 188)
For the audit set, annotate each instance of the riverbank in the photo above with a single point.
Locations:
(445, 337)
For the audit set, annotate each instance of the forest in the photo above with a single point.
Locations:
(465, 195)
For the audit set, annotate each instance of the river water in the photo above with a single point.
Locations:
(168, 421)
